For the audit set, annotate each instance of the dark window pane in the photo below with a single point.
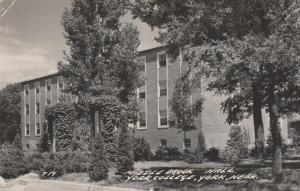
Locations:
(142, 119)
(37, 90)
(163, 92)
(162, 60)
(163, 142)
(27, 109)
(163, 121)
(187, 143)
(142, 95)
(37, 108)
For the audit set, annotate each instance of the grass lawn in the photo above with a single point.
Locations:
(292, 182)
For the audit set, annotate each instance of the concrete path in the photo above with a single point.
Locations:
(29, 183)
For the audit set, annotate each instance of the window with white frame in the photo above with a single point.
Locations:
(48, 86)
(163, 118)
(37, 129)
(187, 143)
(162, 88)
(142, 120)
(37, 108)
(162, 60)
(26, 109)
(26, 90)
(27, 130)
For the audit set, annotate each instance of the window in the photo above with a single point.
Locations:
(163, 88)
(37, 90)
(187, 143)
(26, 92)
(163, 118)
(27, 130)
(48, 86)
(27, 146)
(142, 120)
(142, 95)
(37, 129)
(60, 85)
(37, 108)
(162, 60)
(48, 102)
(27, 109)
(163, 142)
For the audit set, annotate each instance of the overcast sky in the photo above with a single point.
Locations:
(31, 40)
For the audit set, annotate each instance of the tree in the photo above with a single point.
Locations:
(186, 24)
(125, 149)
(10, 112)
(237, 145)
(183, 110)
(99, 164)
(278, 59)
(100, 62)
(102, 50)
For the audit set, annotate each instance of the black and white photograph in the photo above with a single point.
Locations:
(150, 95)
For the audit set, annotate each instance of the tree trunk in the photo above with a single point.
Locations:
(92, 126)
(184, 138)
(258, 122)
(276, 136)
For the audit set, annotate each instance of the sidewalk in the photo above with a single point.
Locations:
(29, 183)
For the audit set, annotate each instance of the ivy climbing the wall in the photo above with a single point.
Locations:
(62, 116)
(110, 110)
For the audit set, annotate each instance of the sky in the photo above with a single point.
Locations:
(31, 38)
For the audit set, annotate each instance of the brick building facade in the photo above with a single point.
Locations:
(160, 74)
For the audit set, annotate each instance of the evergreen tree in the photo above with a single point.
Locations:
(98, 165)
(125, 149)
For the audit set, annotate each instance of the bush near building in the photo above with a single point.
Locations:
(237, 145)
(168, 154)
(98, 162)
(141, 150)
(12, 163)
(125, 157)
(212, 154)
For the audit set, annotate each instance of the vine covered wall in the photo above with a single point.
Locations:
(63, 117)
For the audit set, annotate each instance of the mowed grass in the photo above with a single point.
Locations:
(292, 182)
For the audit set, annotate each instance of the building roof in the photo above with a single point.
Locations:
(56, 74)
(39, 78)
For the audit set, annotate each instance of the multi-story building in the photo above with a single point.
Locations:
(36, 95)
(160, 74)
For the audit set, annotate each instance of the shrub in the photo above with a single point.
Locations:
(36, 161)
(44, 145)
(78, 162)
(237, 145)
(12, 162)
(62, 162)
(212, 154)
(125, 158)
(141, 150)
(98, 162)
(167, 154)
